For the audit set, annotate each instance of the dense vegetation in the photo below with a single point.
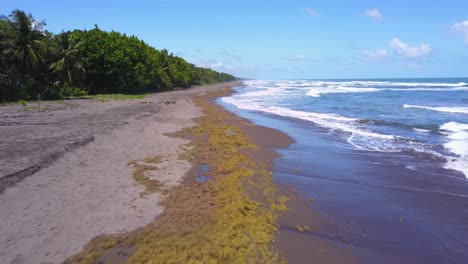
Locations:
(36, 62)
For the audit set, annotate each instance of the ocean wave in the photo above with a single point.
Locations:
(457, 135)
(421, 130)
(392, 84)
(389, 123)
(431, 89)
(379, 84)
(318, 91)
(454, 127)
(457, 110)
(318, 88)
(272, 97)
(406, 84)
(357, 134)
(327, 120)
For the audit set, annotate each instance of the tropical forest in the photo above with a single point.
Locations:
(37, 63)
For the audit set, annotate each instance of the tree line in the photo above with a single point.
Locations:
(35, 62)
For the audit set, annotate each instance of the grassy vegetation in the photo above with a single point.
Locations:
(216, 221)
(29, 106)
(108, 97)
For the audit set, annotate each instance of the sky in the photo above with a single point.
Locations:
(284, 39)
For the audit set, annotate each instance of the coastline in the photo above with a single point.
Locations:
(167, 181)
(220, 204)
(236, 210)
(295, 239)
(369, 202)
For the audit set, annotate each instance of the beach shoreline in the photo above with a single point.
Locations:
(140, 210)
(238, 180)
(382, 207)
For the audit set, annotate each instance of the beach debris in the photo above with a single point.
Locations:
(169, 102)
(230, 132)
(139, 174)
(299, 228)
(303, 228)
(202, 177)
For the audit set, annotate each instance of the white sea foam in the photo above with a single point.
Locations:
(431, 89)
(317, 91)
(318, 88)
(456, 110)
(421, 130)
(454, 127)
(405, 84)
(457, 134)
(296, 83)
(359, 137)
(262, 95)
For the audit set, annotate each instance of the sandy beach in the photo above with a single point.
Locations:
(69, 178)
(65, 177)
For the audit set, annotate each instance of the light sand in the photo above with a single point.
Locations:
(84, 188)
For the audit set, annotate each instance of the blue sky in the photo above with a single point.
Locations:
(279, 39)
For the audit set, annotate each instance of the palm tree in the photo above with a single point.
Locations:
(28, 35)
(69, 66)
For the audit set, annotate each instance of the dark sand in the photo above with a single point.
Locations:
(369, 202)
(295, 246)
(65, 179)
(64, 176)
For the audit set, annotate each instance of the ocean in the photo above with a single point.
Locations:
(386, 160)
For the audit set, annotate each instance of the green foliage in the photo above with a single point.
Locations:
(68, 66)
(107, 97)
(68, 91)
(22, 102)
(34, 61)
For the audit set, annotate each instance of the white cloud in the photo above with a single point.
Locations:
(403, 49)
(374, 14)
(462, 27)
(300, 56)
(311, 12)
(375, 55)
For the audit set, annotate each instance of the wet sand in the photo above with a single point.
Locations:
(376, 205)
(83, 189)
(295, 245)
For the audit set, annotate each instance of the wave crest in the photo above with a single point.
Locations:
(447, 109)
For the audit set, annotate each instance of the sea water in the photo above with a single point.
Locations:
(385, 161)
(420, 116)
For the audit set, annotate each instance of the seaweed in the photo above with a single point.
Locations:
(212, 222)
